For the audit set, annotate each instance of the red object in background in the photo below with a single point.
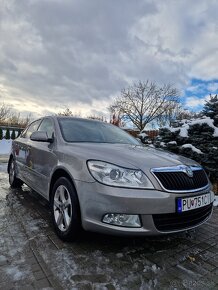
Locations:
(115, 120)
(17, 150)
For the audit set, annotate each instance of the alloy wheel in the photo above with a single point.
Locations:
(62, 208)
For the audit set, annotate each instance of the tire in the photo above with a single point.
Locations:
(13, 180)
(65, 210)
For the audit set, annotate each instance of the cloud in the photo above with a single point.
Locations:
(82, 53)
(65, 52)
(193, 101)
(197, 88)
(202, 87)
(213, 87)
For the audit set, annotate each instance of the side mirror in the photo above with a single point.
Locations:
(40, 136)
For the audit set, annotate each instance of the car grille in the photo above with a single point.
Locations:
(180, 221)
(180, 181)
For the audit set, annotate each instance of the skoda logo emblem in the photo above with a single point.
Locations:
(189, 171)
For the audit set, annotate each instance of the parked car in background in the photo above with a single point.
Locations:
(99, 178)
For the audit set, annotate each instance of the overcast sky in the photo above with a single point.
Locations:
(80, 54)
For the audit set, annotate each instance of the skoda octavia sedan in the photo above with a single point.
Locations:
(99, 178)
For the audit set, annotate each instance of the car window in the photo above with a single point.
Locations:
(76, 130)
(32, 128)
(23, 133)
(47, 126)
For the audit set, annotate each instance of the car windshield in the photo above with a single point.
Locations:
(76, 130)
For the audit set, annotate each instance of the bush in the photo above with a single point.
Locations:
(7, 134)
(197, 140)
(19, 132)
(13, 136)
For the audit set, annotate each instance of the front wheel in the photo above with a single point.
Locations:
(13, 180)
(65, 210)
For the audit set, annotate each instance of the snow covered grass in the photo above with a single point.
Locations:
(5, 146)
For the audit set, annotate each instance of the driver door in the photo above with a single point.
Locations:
(43, 157)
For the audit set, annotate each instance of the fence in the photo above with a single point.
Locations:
(9, 132)
(16, 128)
(152, 134)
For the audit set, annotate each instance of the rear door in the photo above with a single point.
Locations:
(22, 151)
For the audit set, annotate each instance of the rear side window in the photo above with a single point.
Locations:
(47, 126)
(32, 128)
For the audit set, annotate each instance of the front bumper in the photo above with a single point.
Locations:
(96, 200)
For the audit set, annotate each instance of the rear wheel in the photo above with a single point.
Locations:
(65, 210)
(13, 180)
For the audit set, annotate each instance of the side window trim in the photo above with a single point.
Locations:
(24, 135)
(52, 124)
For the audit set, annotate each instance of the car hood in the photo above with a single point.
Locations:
(130, 156)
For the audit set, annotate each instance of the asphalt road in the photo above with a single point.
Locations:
(32, 257)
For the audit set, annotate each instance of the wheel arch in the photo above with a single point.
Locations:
(60, 172)
(76, 222)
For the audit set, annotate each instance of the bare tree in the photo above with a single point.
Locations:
(170, 115)
(145, 102)
(187, 114)
(25, 121)
(66, 112)
(175, 114)
(14, 119)
(11, 117)
(5, 112)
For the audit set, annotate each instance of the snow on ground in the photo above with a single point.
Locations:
(5, 146)
(92, 263)
(192, 147)
(17, 273)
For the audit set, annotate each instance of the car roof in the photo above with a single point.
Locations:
(58, 117)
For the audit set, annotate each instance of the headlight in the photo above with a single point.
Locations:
(110, 174)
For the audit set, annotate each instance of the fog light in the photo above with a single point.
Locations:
(123, 220)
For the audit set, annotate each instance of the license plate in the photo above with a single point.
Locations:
(190, 203)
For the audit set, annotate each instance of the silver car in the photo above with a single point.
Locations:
(99, 178)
